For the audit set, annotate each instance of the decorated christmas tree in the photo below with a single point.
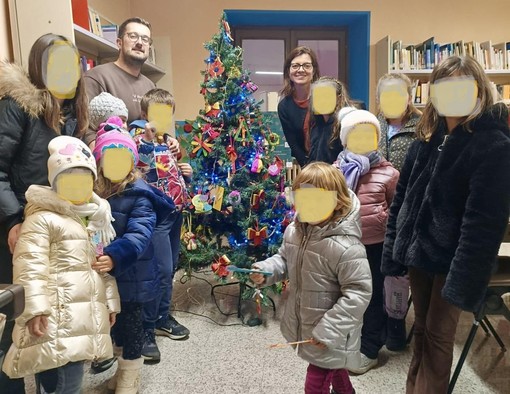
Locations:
(238, 210)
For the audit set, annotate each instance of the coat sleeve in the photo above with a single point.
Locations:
(13, 122)
(31, 267)
(388, 266)
(290, 135)
(277, 264)
(391, 187)
(353, 272)
(127, 249)
(483, 225)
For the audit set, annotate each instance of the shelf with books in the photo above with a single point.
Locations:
(397, 58)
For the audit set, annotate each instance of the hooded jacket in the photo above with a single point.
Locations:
(136, 212)
(53, 261)
(24, 138)
(451, 207)
(330, 288)
(396, 148)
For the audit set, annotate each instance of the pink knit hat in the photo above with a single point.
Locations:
(115, 139)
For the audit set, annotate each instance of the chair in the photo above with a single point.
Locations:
(492, 305)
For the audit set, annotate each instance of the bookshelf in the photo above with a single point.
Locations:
(385, 63)
(31, 19)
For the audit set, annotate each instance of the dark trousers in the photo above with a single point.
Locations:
(66, 379)
(434, 334)
(374, 319)
(127, 331)
(318, 380)
(7, 385)
(167, 241)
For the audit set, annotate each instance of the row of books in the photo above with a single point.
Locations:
(91, 20)
(427, 54)
(86, 63)
(420, 92)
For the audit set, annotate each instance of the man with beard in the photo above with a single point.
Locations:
(123, 78)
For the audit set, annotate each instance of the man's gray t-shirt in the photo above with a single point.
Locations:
(114, 80)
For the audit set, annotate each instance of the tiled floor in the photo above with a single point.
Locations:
(223, 356)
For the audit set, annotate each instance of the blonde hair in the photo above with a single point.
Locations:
(105, 188)
(325, 176)
(411, 109)
(458, 65)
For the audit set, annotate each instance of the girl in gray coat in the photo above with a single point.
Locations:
(330, 282)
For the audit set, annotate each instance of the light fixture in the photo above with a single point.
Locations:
(269, 72)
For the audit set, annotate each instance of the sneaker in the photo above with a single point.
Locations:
(366, 365)
(396, 340)
(150, 351)
(101, 366)
(169, 327)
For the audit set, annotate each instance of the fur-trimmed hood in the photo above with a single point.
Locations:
(15, 83)
(43, 198)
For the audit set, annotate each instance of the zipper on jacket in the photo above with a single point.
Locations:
(440, 147)
(302, 248)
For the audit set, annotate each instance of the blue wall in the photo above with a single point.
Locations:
(358, 36)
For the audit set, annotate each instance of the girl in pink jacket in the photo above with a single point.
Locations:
(374, 181)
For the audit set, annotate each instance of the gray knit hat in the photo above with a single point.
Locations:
(104, 106)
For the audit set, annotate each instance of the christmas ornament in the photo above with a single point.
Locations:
(219, 267)
(213, 110)
(216, 68)
(202, 145)
(232, 156)
(234, 72)
(257, 164)
(209, 132)
(256, 198)
(200, 203)
(273, 139)
(275, 168)
(228, 35)
(242, 133)
(187, 128)
(190, 239)
(257, 235)
(234, 198)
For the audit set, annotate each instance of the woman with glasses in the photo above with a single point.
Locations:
(300, 70)
(123, 78)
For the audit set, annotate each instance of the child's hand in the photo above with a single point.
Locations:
(103, 264)
(113, 319)
(149, 133)
(186, 169)
(173, 145)
(315, 342)
(38, 325)
(258, 279)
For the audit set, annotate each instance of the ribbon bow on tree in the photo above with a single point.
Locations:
(219, 267)
(257, 235)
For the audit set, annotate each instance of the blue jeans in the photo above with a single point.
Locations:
(167, 241)
(66, 379)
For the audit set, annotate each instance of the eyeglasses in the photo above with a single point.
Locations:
(297, 66)
(133, 37)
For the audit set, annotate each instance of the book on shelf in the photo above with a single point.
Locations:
(109, 32)
(428, 52)
(80, 9)
(95, 22)
(425, 92)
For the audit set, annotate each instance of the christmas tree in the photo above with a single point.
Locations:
(238, 210)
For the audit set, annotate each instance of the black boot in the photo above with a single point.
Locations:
(396, 334)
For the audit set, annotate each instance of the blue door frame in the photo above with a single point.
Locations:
(357, 24)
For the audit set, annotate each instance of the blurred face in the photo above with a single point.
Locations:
(301, 70)
(135, 43)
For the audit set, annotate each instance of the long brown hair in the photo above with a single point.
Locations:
(105, 188)
(462, 65)
(325, 176)
(288, 85)
(78, 105)
(411, 109)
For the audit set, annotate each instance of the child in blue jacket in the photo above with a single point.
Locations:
(136, 207)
